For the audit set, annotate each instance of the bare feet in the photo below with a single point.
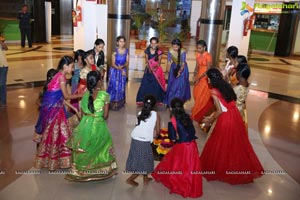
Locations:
(132, 182)
(147, 180)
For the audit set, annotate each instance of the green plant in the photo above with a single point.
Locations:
(133, 26)
(182, 35)
(163, 23)
(145, 34)
(137, 20)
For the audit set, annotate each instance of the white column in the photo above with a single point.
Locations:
(195, 15)
(236, 37)
(48, 16)
(94, 18)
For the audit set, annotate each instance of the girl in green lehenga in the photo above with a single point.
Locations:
(91, 142)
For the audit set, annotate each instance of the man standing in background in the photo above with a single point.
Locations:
(3, 72)
(25, 26)
(184, 21)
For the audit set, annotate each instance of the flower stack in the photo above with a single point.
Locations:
(163, 143)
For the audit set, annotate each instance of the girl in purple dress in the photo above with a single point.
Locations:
(117, 75)
(178, 80)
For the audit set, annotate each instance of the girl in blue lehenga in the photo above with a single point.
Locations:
(178, 80)
(117, 75)
(52, 129)
(153, 81)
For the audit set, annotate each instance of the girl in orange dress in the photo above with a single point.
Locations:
(202, 95)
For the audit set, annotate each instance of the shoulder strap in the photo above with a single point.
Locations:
(174, 123)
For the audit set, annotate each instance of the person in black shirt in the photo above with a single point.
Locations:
(99, 56)
(184, 21)
(25, 26)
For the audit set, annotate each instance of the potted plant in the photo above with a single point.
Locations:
(137, 21)
(188, 32)
(144, 40)
(133, 29)
(163, 23)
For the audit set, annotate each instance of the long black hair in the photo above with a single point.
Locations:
(217, 81)
(50, 74)
(149, 103)
(156, 50)
(176, 41)
(92, 80)
(65, 60)
(179, 112)
(243, 70)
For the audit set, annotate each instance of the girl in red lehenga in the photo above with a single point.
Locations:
(180, 169)
(89, 65)
(227, 155)
(202, 95)
(52, 152)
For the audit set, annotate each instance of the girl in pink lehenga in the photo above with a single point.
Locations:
(52, 152)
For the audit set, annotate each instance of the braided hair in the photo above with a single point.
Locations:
(179, 113)
(92, 80)
(50, 74)
(217, 81)
(177, 42)
(149, 103)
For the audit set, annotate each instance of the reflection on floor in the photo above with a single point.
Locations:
(273, 130)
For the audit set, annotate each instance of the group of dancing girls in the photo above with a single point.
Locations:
(88, 151)
(220, 96)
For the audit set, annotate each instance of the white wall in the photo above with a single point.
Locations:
(48, 16)
(94, 17)
(195, 15)
(297, 41)
(65, 17)
(236, 37)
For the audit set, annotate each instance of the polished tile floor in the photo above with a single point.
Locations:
(274, 130)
